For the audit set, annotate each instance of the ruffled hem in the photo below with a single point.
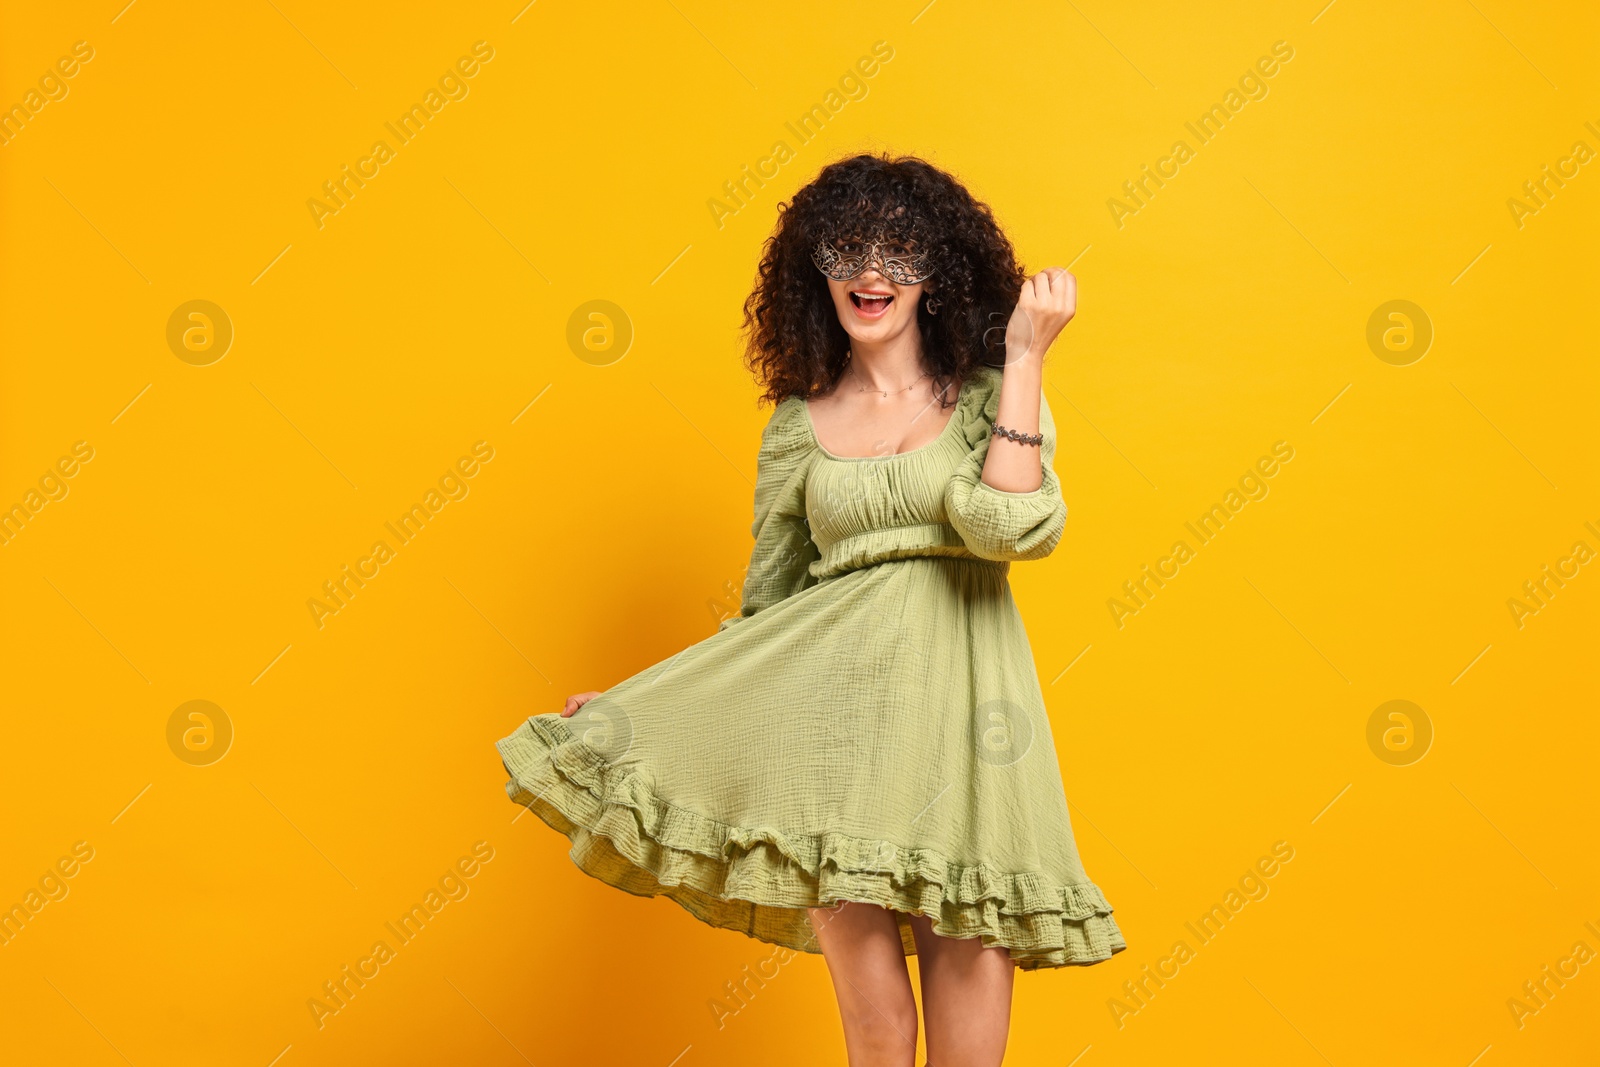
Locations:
(759, 881)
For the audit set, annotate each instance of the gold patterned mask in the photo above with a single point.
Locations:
(843, 258)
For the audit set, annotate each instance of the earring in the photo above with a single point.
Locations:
(933, 304)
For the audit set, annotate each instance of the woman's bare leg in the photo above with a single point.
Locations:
(861, 943)
(966, 998)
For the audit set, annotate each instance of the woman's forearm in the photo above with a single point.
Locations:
(1012, 467)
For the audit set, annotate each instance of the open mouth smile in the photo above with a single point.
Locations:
(870, 303)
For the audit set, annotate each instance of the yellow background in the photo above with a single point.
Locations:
(369, 354)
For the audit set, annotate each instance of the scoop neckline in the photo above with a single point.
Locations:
(811, 428)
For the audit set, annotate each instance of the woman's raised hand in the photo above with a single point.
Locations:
(1047, 303)
(576, 701)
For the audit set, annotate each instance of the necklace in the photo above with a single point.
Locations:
(865, 388)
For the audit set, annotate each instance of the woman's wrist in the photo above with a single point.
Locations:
(1023, 374)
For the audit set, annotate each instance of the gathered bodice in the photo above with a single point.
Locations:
(819, 515)
(863, 511)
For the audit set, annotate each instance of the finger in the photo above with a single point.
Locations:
(1069, 290)
(1060, 284)
(1041, 285)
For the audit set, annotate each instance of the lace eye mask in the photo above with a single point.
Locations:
(843, 258)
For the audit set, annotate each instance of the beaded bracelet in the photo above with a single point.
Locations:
(1017, 436)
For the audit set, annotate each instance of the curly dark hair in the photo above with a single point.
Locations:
(795, 345)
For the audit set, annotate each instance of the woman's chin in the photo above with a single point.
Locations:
(874, 332)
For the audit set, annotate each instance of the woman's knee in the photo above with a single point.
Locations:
(881, 1029)
(861, 943)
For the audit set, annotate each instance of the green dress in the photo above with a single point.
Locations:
(869, 727)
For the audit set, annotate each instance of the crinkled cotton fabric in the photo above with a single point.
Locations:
(868, 727)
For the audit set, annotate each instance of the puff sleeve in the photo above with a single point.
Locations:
(781, 558)
(996, 524)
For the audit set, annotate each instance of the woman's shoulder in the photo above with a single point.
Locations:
(787, 435)
(985, 378)
(981, 390)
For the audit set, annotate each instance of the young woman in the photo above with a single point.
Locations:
(859, 762)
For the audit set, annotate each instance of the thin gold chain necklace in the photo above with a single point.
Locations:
(865, 389)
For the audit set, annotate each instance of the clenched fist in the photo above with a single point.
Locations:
(1047, 303)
